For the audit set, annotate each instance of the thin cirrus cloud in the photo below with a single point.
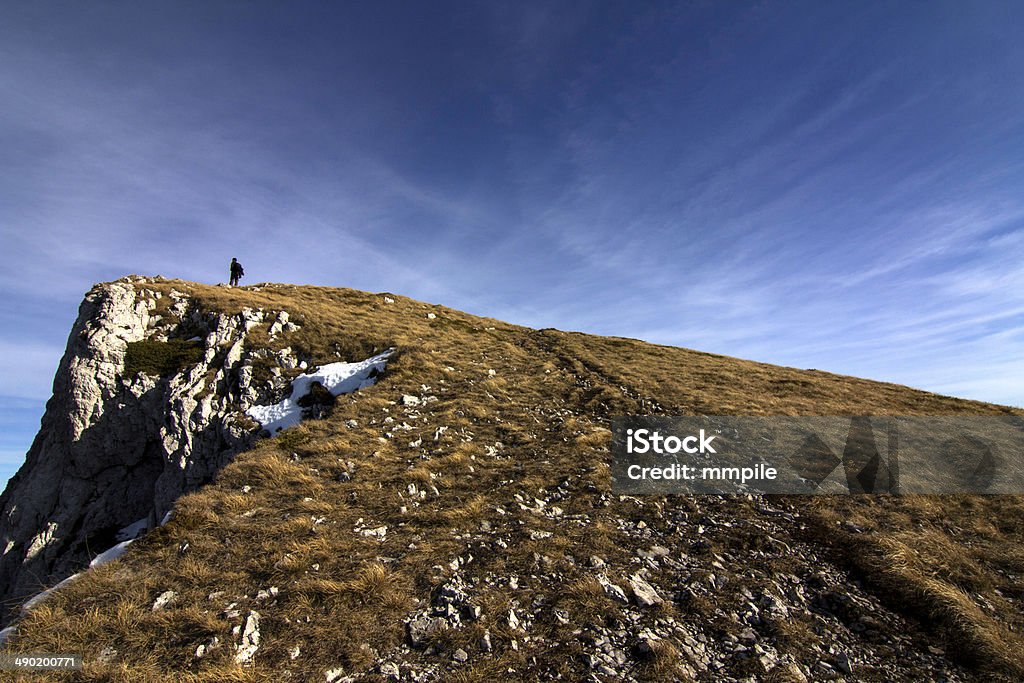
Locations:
(819, 186)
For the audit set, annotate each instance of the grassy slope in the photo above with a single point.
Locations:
(538, 422)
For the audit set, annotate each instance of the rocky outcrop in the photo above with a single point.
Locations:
(115, 451)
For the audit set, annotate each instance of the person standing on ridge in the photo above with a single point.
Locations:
(236, 272)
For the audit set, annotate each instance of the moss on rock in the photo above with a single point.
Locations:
(161, 358)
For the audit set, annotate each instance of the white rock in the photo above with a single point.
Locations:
(164, 599)
(250, 641)
(612, 590)
(335, 675)
(205, 648)
(644, 592)
(88, 466)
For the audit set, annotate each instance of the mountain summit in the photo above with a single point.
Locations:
(437, 505)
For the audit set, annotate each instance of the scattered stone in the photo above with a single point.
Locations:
(390, 671)
(409, 400)
(767, 660)
(250, 642)
(844, 663)
(334, 675)
(268, 593)
(644, 592)
(419, 629)
(164, 599)
(205, 648)
(775, 606)
(278, 325)
(788, 672)
(460, 655)
(645, 649)
(612, 590)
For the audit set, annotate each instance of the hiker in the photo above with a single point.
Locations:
(236, 272)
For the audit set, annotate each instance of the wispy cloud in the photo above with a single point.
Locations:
(781, 183)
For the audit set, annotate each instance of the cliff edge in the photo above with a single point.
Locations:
(148, 403)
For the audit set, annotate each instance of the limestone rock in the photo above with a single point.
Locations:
(612, 590)
(114, 449)
(164, 599)
(419, 629)
(250, 642)
(644, 592)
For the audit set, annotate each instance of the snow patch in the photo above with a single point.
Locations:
(133, 530)
(36, 599)
(337, 378)
(101, 559)
(110, 555)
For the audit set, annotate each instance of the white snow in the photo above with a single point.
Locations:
(133, 530)
(110, 555)
(101, 559)
(337, 378)
(39, 597)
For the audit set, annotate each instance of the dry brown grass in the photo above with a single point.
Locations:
(661, 664)
(942, 558)
(539, 420)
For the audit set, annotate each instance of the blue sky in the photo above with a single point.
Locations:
(823, 184)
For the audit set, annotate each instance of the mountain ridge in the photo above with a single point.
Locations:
(478, 432)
